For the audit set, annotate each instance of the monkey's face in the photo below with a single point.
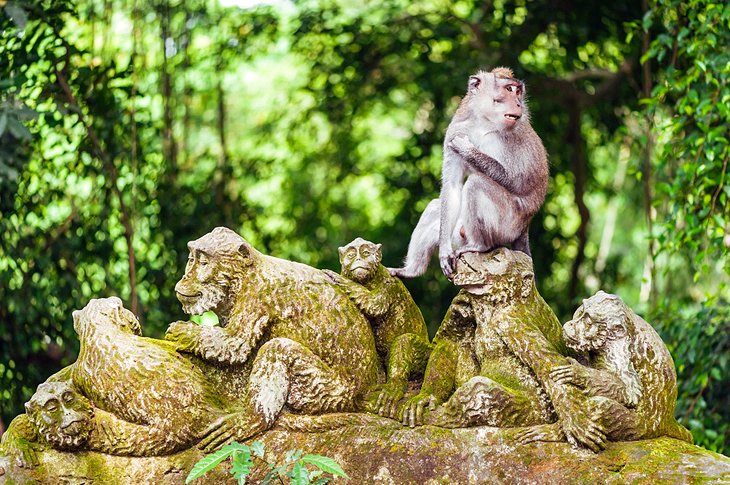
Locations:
(498, 99)
(360, 260)
(586, 331)
(105, 311)
(61, 415)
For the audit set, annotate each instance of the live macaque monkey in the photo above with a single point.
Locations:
(494, 178)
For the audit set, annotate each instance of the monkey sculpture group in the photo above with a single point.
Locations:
(295, 340)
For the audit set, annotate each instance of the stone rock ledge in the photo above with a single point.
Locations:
(402, 456)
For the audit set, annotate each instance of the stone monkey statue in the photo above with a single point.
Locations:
(309, 347)
(494, 177)
(516, 345)
(401, 337)
(630, 377)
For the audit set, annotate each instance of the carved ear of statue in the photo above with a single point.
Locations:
(245, 251)
(341, 251)
(378, 253)
(528, 281)
(28, 408)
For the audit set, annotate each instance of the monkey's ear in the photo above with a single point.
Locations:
(528, 280)
(379, 252)
(28, 408)
(474, 83)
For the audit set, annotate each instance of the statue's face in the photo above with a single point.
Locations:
(101, 311)
(200, 288)
(360, 260)
(61, 415)
(502, 274)
(586, 331)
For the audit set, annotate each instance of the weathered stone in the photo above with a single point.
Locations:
(397, 455)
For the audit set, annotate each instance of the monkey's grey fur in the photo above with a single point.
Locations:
(494, 178)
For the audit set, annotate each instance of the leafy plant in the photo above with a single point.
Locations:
(294, 469)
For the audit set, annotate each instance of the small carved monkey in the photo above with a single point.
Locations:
(494, 177)
(401, 338)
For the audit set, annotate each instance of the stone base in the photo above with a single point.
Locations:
(396, 455)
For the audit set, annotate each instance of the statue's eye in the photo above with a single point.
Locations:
(68, 396)
(51, 406)
(365, 253)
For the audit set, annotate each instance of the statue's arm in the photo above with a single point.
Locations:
(21, 441)
(529, 344)
(371, 303)
(601, 382)
(230, 345)
(115, 436)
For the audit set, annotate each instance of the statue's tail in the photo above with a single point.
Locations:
(328, 422)
(676, 430)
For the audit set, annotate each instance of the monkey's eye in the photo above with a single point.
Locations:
(68, 396)
(51, 405)
(365, 253)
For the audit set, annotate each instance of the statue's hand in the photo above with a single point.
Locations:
(572, 373)
(335, 278)
(387, 403)
(184, 334)
(25, 453)
(579, 422)
(235, 426)
(411, 411)
(541, 432)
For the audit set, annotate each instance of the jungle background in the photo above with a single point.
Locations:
(128, 128)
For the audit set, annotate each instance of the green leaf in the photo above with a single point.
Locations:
(257, 448)
(242, 464)
(292, 456)
(209, 462)
(270, 477)
(299, 474)
(3, 122)
(322, 481)
(325, 464)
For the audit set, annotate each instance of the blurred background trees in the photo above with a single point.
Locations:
(128, 128)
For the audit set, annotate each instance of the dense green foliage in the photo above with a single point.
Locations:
(128, 128)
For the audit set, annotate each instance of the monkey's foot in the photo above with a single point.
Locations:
(471, 248)
(232, 427)
(401, 273)
(542, 432)
(412, 410)
(387, 403)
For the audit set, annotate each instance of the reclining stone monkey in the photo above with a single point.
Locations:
(148, 399)
(401, 337)
(631, 378)
(312, 349)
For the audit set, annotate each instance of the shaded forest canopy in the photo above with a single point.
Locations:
(128, 128)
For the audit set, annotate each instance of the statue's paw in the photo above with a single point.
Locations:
(411, 412)
(568, 374)
(333, 277)
(588, 434)
(544, 432)
(182, 334)
(387, 403)
(232, 427)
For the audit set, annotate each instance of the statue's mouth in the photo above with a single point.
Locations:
(188, 297)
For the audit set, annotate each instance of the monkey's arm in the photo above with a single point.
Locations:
(22, 442)
(228, 345)
(482, 162)
(452, 184)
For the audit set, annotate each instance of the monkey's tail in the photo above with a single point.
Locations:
(328, 422)
(424, 241)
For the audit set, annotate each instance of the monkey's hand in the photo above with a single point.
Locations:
(462, 145)
(569, 374)
(387, 404)
(184, 334)
(235, 426)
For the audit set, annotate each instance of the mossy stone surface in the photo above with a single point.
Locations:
(393, 454)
